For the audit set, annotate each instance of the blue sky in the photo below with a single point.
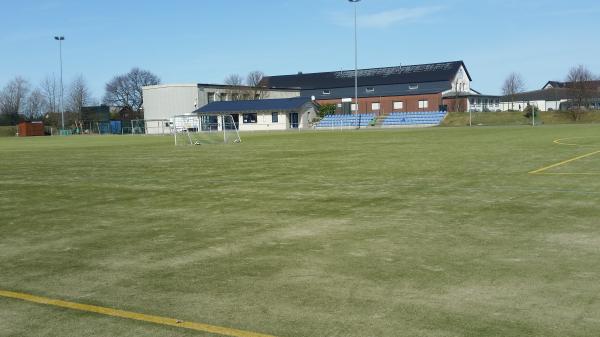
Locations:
(204, 41)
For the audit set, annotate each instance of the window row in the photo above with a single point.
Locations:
(398, 105)
(485, 101)
(252, 118)
(327, 92)
(213, 96)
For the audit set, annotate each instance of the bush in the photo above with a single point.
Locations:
(531, 111)
(326, 109)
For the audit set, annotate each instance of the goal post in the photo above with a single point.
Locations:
(201, 129)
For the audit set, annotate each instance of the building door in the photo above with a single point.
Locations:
(346, 108)
(293, 120)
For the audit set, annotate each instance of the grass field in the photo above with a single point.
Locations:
(518, 118)
(429, 232)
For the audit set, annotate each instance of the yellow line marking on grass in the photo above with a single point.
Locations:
(132, 315)
(538, 171)
(561, 141)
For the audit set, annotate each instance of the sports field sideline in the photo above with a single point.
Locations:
(491, 231)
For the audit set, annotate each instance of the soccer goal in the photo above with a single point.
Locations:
(205, 129)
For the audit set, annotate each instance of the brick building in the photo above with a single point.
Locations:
(424, 87)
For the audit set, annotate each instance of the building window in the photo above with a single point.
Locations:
(246, 97)
(472, 100)
(375, 106)
(398, 105)
(423, 104)
(250, 118)
(370, 89)
(257, 96)
(210, 97)
(223, 97)
(235, 97)
(413, 86)
(326, 92)
(274, 117)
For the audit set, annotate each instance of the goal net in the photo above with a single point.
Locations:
(205, 129)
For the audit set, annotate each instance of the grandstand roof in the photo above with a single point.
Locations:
(433, 72)
(281, 104)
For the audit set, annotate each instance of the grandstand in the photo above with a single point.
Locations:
(349, 120)
(413, 119)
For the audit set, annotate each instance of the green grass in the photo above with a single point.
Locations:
(517, 118)
(429, 232)
(7, 131)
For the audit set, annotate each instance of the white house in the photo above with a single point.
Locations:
(265, 114)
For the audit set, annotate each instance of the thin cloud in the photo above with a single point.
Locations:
(388, 18)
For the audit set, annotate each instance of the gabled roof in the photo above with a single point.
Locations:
(421, 73)
(550, 94)
(281, 104)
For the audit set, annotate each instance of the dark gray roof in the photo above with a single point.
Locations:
(552, 94)
(281, 104)
(589, 84)
(433, 72)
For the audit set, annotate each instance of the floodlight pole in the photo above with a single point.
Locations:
(60, 39)
(356, 58)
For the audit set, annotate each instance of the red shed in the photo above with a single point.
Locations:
(29, 129)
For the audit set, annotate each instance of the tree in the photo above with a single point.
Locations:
(237, 91)
(512, 86)
(254, 78)
(36, 105)
(579, 80)
(49, 88)
(78, 95)
(234, 80)
(253, 81)
(125, 91)
(13, 99)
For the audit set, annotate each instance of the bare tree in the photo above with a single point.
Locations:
(234, 80)
(50, 90)
(125, 91)
(13, 98)
(78, 95)
(512, 86)
(35, 105)
(579, 79)
(236, 89)
(256, 88)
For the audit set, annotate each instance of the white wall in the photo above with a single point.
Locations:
(462, 81)
(166, 101)
(541, 104)
(264, 120)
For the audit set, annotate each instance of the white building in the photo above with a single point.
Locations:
(554, 96)
(264, 114)
(162, 102)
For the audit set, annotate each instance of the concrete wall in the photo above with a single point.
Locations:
(166, 101)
